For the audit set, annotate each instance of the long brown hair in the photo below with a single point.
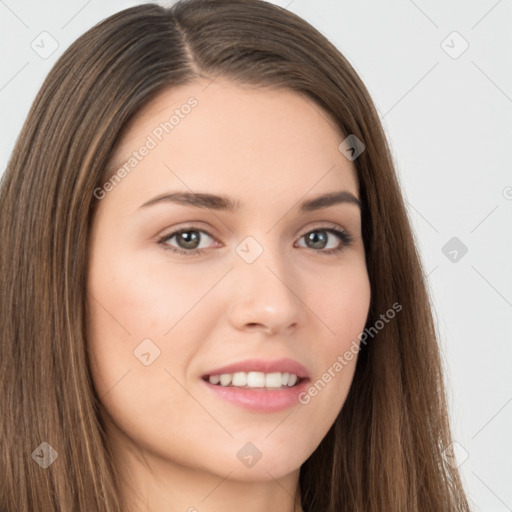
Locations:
(385, 449)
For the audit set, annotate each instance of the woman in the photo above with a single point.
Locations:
(212, 297)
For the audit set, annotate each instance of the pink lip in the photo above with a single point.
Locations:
(260, 365)
(262, 400)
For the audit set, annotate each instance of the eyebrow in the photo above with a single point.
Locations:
(216, 202)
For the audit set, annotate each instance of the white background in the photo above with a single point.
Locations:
(449, 125)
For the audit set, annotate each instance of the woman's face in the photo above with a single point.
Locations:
(273, 291)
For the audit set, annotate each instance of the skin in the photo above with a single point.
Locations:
(175, 444)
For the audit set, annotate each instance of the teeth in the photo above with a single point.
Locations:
(239, 379)
(254, 379)
(273, 380)
(214, 379)
(225, 379)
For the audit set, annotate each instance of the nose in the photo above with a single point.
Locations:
(267, 296)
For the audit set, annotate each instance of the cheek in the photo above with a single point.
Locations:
(132, 300)
(342, 304)
(137, 297)
(133, 315)
(141, 300)
(341, 301)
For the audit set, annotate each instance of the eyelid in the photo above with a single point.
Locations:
(322, 225)
(187, 227)
(345, 236)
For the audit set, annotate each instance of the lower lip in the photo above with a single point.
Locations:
(260, 399)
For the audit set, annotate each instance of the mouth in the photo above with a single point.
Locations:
(255, 380)
(259, 385)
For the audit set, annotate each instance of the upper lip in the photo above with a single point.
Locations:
(264, 366)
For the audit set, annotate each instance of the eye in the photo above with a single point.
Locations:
(318, 239)
(189, 239)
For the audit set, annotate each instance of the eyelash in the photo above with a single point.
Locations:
(344, 236)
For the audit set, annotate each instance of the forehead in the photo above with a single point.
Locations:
(221, 136)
